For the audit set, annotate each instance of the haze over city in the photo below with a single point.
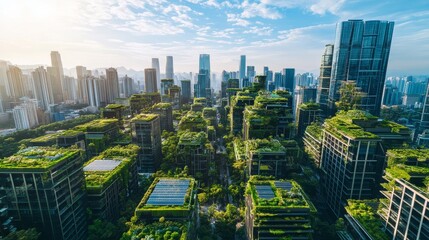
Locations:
(129, 33)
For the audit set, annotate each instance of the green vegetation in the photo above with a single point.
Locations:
(69, 133)
(315, 130)
(310, 106)
(145, 117)
(38, 158)
(167, 230)
(162, 105)
(193, 138)
(115, 106)
(344, 124)
(350, 96)
(193, 121)
(27, 234)
(48, 138)
(365, 212)
(99, 125)
(264, 145)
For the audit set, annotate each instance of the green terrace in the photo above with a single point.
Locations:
(315, 130)
(200, 100)
(144, 117)
(98, 125)
(38, 158)
(365, 212)
(209, 112)
(167, 197)
(129, 151)
(342, 125)
(268, 194)
(260, 116)
(115, 106)
(310, 106)
(239, 149)
(48, 138)
(100, 173)
(193, 121)
(267, 98)
(69, 133)
(162, 105)
(411, 165)
(171, 230)
(264, 146)
(193, 138)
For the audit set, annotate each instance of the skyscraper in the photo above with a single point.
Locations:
(25, 114)
(169, 70)
(186, 91)
(251, 73)
(127, 86)
(242, 66)
(150, 80)
(56, 78)
(424, 120)
(82, 90)
(203, 84)
(42, 90)
(325, 77)
(15, 82)
(288, 75)
(112, 85)
(361, 54)
(155, 64)
(204, 62)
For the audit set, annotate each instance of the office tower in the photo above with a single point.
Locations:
(201, 84)
(353, 154)
(150, 80)
(278, 80)
(404, 208)
(242, 66)
(265, 70)
(424, 120)
(289, 218)
(16, 86)
(45, 189)
(303, 95)
(165, 112)
(307, 113)
(251, 73)
(70, 82)
(56, 78)
(270, 76)
(42, 90)
(4, 82)
(288, 76)
(112, 85)
(169, 70)
(146, 133)
(82, 90)
(361, 54)
(25, 114)
(186, 91)
(325, 77)
(155, 64)
(225, 76)
(165, 85)
(204, 63)
(193, 151)
(95, 88)
(414, 92)
(391, 95)
(127, 86)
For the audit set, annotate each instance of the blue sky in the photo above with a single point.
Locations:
(275, 33)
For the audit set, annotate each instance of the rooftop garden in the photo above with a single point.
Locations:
(267, 98)
(102, 179)
(193, 138)
(200, 100)
(162, 105)
(146, 117)
(342, 124)
(395, 127)
(264, 146)
(162, 229)
(98, 125)
(45, 138)
(69, 133)
(259, 116)
(114, 106)
(209, 112)
(310, 106)
(193, 121)
(365, 212)
(315, 129)
(38, 158)
(282, 198)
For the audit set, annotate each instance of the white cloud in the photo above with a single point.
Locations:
(260, 31)
(251, 10)
(324, 6)
(235, 19)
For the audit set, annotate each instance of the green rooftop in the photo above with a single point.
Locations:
(315, 129)
(38, 158)
(69, 133)
(146, 117)
(193, 138)
(45, 138)
(115, 106)
(264, 146)
(98, 125)
(162, 105)
(100, 172)
(344, 124)
(310, 106)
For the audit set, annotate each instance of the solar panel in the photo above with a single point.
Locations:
(264, 191)
(283, 185)
(102, 165)
(169, 192)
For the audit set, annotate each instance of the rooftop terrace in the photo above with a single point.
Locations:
(98, 125)
(145, 117)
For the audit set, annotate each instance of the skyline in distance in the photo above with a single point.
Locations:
(278, 34)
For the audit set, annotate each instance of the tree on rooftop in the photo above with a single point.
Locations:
(350, 96)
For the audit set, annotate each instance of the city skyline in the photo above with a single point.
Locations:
(267, 32)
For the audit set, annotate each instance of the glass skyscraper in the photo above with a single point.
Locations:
(361, 53)
(325, 77)
(242, 67)
(203, 84)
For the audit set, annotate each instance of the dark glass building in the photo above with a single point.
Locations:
(361, 54)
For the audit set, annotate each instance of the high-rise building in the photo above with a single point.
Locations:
(169, 70)
(325, 77)
(203, 82)
(56, 78)
(4, 82)
(112, 85)
(127, 83)
(288, 75)
(186, 91)
(242, 67)
(94, 88)
(16, 86)
(82, 90)
(25, 114)
(251, 73)
(155, 64)
(165, 85)
(146, 133)
(353, 154)
(361, 54)
(204, 62)
(45, 189)
(165, 112)
(42, 90)
(424, 120)
(150, 80)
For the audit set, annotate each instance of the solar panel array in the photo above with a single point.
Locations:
(102, 165)
(283, 185)
(169, 192)
(264, 191)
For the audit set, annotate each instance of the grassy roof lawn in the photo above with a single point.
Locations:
(310, 106)
(70, 133)
(98, 125)
(172, 230)
(115, 106)
(38, 158)
(192, 120)
(209, 112)
(101, 179)
(193, 138)
(283, 199)
(315, 129)
(45, 138)
(144, 117)
(167, 210)
(264, 146)
(162, 105)
(365, 212)
(343, 124)
(200, 100)
(259, 116)
(264, 99)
